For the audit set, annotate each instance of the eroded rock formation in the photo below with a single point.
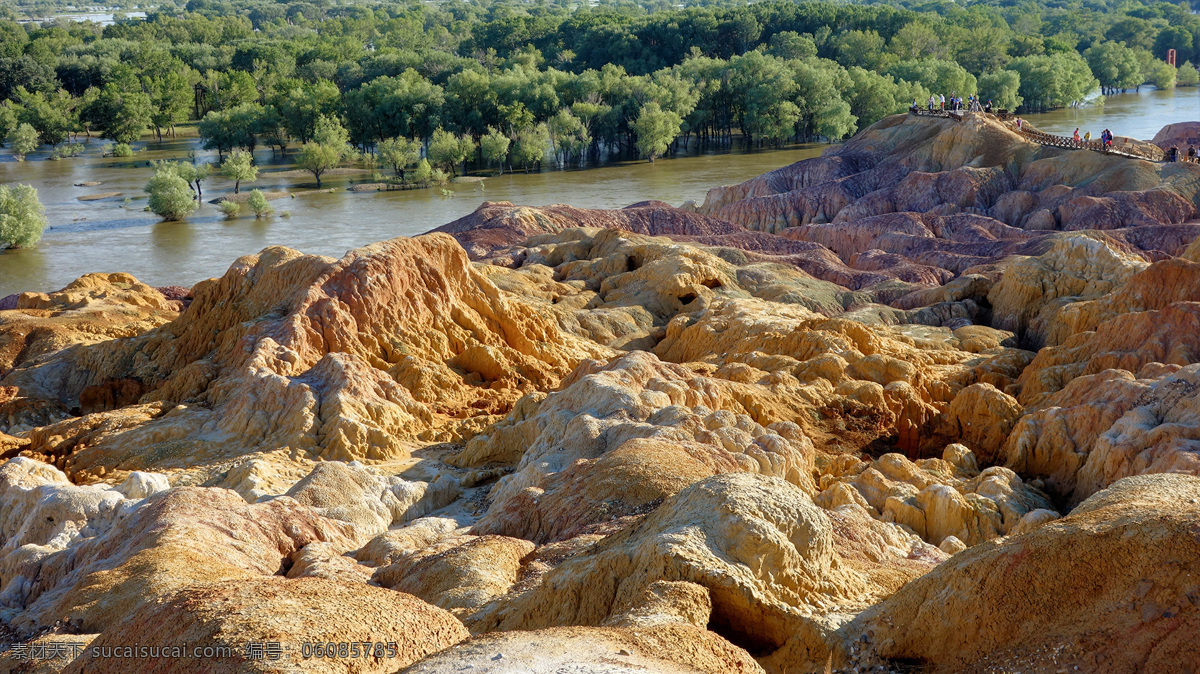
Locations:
(872, 409)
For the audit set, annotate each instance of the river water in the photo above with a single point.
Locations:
(111, 235)
(1135, 115)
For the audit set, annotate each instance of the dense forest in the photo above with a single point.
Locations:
(515, 82)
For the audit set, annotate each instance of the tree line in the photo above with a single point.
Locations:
(513, 84)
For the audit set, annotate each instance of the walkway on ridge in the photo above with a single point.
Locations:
(1151, 153)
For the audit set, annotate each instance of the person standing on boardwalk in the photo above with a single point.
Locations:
(942, 98)
(1087, 136)
(1191, 156)
(1075, 136)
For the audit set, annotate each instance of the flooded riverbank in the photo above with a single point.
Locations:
(114, 233)
(111, 234)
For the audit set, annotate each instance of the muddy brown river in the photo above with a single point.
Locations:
(115, 233)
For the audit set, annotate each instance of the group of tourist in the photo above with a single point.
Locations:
(939, 102)
(956, 103)
(1106, 137)
(1173, 154)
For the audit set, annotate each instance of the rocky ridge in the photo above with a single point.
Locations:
(916, 381)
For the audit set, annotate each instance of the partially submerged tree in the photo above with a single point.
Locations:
(447, 151)
(22, 217)
(529, 146)
(171, 196)
(194, 174)
(423, 172)
(239, 167)
(495, 147)
(22, 140)
(258, 203)
(327, 149)
(399, 153)
(656, 129)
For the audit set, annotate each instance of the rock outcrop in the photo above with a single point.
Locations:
(760, 547)
(267, 624)
(87, 554)
(1022, 602)
(936, 499)
(930, 399)
(673, 649)
(334, 359)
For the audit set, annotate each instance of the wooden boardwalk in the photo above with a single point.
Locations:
(1147, 152)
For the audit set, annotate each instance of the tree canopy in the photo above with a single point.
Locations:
(254, 72)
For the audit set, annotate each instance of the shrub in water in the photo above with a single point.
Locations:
(170, 196)
(258, 203)
(22, 217)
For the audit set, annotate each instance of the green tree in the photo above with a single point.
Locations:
(170, 195)
(329, 131)
(317, 159)
(765, 87)
(22, 217)
(466, 149)
(1053, 81)
(1002, 88)
(52, 115)
(1173, 37)
(1135, 32)
(864, 49)
(239, 167)
(22, 141)
(423, 172)
(516, 116)
(8, 120)
(224, 130)
(529, 146)
(445, 150)
(407, 105)
(872, 96)
(1162, 75)
(326, 150)
(495, 147)
(121, 115)
(940, 77)
(1188, 76)
(916, 40)
(301, 104)
(230, 89)
(823, 112)
(194, 174)
(1114, 65)
(172, 95)
(568, 136)
(789, 44)
(472, 100)
(656, 129)
(399, 153)
(258, 203)
(270, 129)
(982, 49)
